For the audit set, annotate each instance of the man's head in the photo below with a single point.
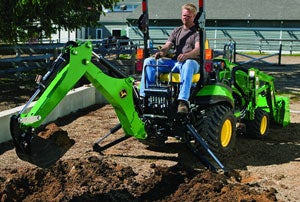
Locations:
(188, 13)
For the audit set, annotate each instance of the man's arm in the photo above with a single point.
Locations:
(164, 50)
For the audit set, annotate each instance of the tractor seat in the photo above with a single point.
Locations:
(166, 77)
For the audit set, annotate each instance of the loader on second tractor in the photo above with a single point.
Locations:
(223, 96)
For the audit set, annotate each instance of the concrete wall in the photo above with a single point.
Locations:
(76, 99)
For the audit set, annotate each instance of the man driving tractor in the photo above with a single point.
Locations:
(186, 43)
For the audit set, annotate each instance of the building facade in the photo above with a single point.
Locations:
(253, 25)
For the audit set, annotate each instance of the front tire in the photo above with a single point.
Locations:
(259, 127)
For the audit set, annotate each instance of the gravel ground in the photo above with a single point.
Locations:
(265, 170)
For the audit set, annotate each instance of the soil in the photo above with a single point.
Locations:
(258, 170)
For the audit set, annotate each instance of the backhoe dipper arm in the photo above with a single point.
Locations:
(117, 91)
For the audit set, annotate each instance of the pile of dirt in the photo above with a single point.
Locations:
(99, 179)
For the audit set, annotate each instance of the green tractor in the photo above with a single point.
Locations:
(223, 96)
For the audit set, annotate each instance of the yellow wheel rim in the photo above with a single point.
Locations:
(226, 133)
(263, 125)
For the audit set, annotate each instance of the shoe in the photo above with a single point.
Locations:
(183, 107)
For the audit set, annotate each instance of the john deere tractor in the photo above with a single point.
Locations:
(223, 95)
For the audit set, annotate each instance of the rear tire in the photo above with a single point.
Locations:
(217, 126)
(259, 127)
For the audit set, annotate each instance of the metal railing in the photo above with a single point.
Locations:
(26, 57)
(264, 47)
(30, 56)
(289, 46)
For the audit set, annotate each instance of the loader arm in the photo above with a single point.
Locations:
(117, 91)
(264, 96)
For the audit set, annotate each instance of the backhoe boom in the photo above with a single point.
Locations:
(117, 91)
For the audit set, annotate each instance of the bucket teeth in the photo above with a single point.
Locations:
(20, 138)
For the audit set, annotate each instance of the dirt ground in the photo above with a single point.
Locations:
(259, 170)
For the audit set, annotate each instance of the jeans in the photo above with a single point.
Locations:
(186, 70)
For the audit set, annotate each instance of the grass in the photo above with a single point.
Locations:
(264, 53)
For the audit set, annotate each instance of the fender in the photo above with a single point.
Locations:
(213, 94)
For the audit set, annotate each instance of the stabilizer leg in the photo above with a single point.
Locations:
(206, 147)
(98, 148)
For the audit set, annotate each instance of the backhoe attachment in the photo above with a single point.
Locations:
(28, 145)
(74, 62)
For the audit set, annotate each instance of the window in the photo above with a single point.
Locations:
(116, 32)
(99, 34)
(87, 33)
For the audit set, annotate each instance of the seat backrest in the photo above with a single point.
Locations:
(175, 77)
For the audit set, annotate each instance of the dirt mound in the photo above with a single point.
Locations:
(98, 179)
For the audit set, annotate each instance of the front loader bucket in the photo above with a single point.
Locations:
(283, 110)
(40, 151)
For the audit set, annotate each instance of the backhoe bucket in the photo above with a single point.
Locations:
(283, 110)
(40, 151)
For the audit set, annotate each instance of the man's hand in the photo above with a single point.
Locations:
(163, 50)
(157, 55)
(182, 57)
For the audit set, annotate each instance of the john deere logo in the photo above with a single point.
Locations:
(123, 93)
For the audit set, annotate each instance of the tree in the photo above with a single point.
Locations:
(21, 20)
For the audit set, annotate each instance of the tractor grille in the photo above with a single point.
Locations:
(158, 101)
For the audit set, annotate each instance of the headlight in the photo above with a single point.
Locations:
(251, 74)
